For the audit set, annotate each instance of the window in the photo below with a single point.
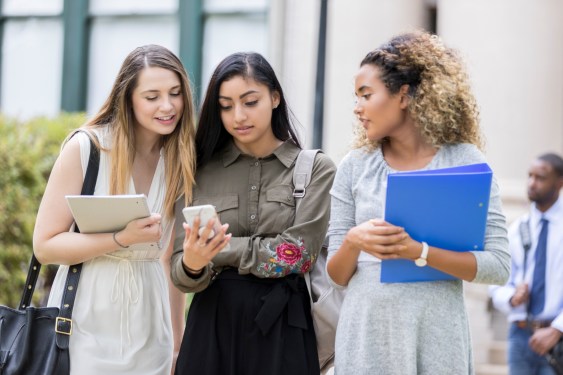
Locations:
(232, 26)
(32, 51)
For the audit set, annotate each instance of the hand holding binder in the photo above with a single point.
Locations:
(447, 208)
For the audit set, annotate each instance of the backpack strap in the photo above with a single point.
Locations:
(526, 239)
(302, 172)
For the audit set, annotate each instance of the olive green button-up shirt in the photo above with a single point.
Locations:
(255, 197)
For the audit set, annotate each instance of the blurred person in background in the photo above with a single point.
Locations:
(533, 296)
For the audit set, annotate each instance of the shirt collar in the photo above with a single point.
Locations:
(287, 153)
(230, 154)
(552, 214)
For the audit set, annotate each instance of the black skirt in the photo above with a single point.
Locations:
(245, 325)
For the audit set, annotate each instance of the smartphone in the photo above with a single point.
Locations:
(205, 213)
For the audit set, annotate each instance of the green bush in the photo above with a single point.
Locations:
(27, 153)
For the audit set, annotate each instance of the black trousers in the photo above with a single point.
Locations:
(245, 325)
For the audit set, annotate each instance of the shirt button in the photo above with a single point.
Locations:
(252, 217)
(256, 164)
(253, 187)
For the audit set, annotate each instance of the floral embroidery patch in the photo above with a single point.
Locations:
(286, 258)
(289, 252)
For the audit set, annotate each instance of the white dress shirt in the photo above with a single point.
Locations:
(553, 309)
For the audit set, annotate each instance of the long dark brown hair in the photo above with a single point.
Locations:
(211, 134)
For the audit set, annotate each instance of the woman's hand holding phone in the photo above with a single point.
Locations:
(201, 245)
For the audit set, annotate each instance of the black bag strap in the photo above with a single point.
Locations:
(64, 324)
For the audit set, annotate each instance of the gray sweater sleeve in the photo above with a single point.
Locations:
(493, 262)
(343, 205)
(342, 209)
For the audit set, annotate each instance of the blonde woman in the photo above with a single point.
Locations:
(128, 319)
(416, 112)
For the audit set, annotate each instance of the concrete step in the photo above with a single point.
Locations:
(499, 325)
(497, 352)
(490, 369)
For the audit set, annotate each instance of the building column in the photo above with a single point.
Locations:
(190, 16)
(75, 56)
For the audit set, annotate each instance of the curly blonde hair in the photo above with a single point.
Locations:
(441, 102)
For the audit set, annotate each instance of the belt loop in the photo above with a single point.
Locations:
(533, 325)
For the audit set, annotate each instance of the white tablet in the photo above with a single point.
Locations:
(106, 213)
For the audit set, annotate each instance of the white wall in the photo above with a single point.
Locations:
(299, 62)
(514, 51)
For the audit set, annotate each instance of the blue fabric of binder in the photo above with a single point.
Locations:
(447, 208)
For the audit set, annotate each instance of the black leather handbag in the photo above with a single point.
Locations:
(555, 357)
(34, 340)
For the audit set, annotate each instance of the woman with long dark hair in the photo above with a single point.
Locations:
(251, 313)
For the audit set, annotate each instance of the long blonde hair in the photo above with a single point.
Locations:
(441, 102)
(117, 114)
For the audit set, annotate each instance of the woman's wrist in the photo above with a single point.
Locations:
(414, 250)
(119, 242)
(350, 246)
(193, 273)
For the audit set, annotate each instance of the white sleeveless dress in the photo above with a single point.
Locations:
(121, 316)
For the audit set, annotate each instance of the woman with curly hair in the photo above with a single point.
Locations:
(416, 112)
(251, 313)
